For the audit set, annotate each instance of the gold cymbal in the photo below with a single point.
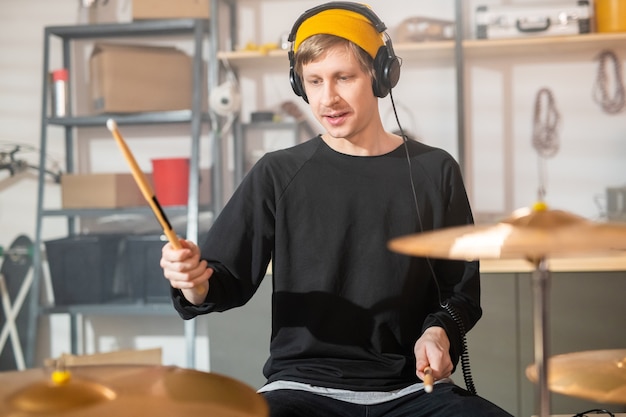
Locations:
(128, 390)
(528, 234)
(596, 375)
(47, 396)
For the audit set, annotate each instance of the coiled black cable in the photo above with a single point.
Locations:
(465, 363)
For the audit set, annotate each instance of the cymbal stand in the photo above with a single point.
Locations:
(541, 296)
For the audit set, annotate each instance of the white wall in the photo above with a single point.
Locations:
(21, 39)
(591, 157)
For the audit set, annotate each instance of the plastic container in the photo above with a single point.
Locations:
(140, 260)
(610, 15)
(83, 269)
(171, 181)
(60, 93)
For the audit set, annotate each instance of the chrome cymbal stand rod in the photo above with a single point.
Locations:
(541, 294)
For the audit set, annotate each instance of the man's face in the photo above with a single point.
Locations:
(340, 93)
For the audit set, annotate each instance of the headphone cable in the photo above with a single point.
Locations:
(464, 357)
(414, 193)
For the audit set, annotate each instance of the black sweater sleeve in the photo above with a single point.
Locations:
(238, 247)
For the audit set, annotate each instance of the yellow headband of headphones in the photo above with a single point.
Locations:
(346, 24)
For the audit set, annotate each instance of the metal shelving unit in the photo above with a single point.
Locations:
(198, 30)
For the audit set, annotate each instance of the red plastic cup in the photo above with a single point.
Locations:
(170, 177)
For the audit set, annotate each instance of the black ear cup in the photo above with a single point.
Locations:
(387, 70)
(294, 79)
(386, 63)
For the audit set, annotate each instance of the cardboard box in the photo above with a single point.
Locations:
(132, 78)
(100, 191)
(150, 356)
(168, 9)
(115, 190)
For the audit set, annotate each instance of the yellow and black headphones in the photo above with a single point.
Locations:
(357, 23)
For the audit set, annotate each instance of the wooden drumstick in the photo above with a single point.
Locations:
(144, 186)
(428, 379)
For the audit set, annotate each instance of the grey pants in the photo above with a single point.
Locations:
(446, 400)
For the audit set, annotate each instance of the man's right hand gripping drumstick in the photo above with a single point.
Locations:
(186, 271)
(428, 379)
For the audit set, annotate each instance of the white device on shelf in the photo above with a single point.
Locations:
(225, 99)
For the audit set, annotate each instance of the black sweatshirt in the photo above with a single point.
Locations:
(346, 311)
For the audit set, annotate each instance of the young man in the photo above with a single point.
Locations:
(354, 325)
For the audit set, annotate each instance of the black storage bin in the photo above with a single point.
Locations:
(83, 269)
(140, 261)
(140, 258)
